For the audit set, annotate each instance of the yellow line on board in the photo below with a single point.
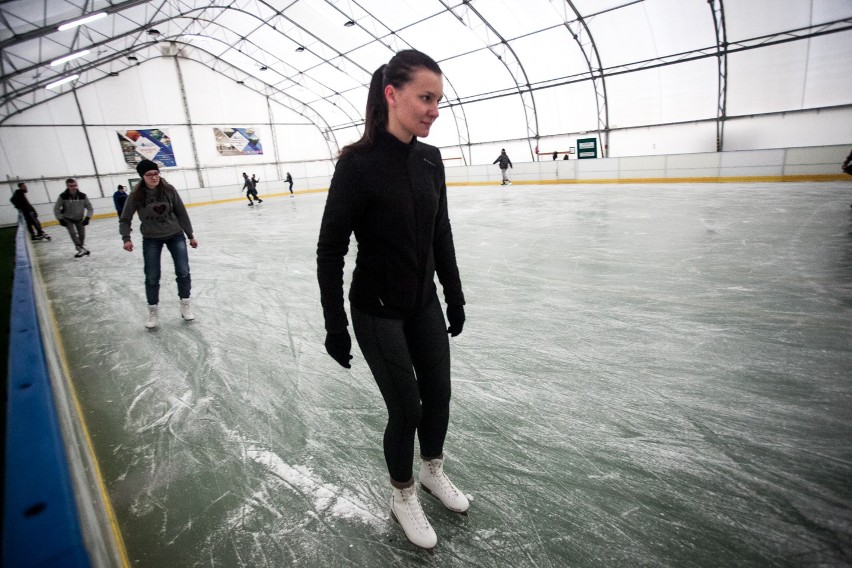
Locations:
(113, 521)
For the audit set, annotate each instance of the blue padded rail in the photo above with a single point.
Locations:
(40, 519)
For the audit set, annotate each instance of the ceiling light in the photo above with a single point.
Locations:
(349, 24)
(113, 74)
(62, 81)
(67, 58)
(132, 58)
(154, 32)
(82, 21)
(300, 49)
(241, 82)
(263, 67)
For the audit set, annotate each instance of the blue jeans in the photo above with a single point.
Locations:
(151, 251)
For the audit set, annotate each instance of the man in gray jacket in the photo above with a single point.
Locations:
(73, 210)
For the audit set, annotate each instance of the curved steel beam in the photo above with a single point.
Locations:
(11, 93)
(596, 71)
(299, 107)
(459, 116)
(507, 56)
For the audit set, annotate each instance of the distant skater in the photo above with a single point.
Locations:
(505, 164)
(389, 189)
(119, 198)
(30, 215)
(73, 211)
(251, 190)
(163, 220)
(289, 179)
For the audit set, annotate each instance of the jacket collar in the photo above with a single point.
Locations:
(388, 141)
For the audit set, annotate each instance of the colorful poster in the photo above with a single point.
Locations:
(237, 141)
(147, 144)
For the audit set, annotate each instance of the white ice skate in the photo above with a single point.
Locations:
(408, 513)
(435, 482)
(151, 322)
(185, 310)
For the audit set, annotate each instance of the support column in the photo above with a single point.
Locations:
(189, 122)
(88, 142)
(275, 154)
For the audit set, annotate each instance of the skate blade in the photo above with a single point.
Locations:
(429, 550)
(426, 489)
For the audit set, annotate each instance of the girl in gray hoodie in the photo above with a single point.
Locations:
(163, 220)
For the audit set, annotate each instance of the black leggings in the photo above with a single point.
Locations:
(410, 360)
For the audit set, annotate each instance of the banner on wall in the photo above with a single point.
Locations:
(147, 144)
(237, 141)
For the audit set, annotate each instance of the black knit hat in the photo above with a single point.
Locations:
(146, 166)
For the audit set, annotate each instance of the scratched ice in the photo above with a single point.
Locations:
(649, 376)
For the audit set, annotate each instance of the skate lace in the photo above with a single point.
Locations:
(412, 503)
(443, 482)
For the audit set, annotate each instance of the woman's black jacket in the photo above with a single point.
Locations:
(394, 197)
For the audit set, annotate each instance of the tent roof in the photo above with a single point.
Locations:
(316, 56)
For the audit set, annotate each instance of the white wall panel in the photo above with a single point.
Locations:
(569, 108)
(497, 119)
(214, 98)
(60, 110)
(767, 80)
(671, 139)
(827, 81)
(818, 128)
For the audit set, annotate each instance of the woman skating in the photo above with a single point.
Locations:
(163, 221)
(389, 189)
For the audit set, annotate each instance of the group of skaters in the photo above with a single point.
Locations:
(72, 210)
(396, 314)
(250, 187)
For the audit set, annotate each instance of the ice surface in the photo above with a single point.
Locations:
(648, 376)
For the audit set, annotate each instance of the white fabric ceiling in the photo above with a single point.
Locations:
(510, 64)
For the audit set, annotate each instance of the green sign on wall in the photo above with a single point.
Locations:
(587, 148)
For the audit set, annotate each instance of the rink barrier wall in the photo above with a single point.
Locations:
(56, 510)
(811, 164)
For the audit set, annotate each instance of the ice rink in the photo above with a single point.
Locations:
(649, 375)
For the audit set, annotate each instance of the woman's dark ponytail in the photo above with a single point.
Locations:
(397, 72)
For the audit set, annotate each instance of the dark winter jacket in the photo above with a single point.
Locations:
(504, 161)
(394, 197)
(72, 207)
(20, 201)
(118, 199)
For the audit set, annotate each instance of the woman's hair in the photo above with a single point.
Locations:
(138, 193)
(399, 71)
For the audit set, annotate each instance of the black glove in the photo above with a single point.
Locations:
(338, 346)
(86, 220)
(455, 315)
(63, 222)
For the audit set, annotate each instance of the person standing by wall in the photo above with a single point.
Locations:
(289, 179)
(163, 220)
(251, 190)
(22, 204)
(505, 164)
(119, 197)
(390, 190)
(73, 210)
